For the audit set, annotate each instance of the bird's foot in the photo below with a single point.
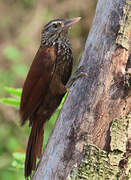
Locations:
(78, 73)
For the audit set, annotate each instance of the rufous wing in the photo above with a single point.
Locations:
(37, 81)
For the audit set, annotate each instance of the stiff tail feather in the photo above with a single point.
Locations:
(34, 147)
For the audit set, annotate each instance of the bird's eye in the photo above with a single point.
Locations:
(56, 25)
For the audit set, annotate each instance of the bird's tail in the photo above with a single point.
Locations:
(34, 147)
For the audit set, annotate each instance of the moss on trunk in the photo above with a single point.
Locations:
(97, 164)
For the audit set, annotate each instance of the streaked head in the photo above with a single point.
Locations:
(58, 28)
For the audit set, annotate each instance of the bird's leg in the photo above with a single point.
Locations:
(78, 73)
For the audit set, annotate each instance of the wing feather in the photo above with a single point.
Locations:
(37, 81)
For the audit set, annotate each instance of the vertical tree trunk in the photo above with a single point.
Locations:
(94, 102)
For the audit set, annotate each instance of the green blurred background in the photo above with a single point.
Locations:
(21, 22)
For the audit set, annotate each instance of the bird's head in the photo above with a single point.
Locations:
(56, 29)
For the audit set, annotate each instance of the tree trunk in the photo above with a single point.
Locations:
(95, 102)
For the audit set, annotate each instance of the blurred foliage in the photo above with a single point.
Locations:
(18, 161)
(15, 101)
(20, 28)
(12, 53)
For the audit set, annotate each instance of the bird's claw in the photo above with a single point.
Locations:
(78, 73)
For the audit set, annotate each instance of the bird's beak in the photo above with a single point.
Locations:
(68, 23)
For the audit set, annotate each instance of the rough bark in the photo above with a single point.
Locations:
(94, 102)
(97, 164)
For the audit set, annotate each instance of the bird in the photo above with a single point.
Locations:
(45, 84)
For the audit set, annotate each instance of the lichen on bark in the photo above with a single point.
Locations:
(102, 165)
(124, 33)
(119, 134)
